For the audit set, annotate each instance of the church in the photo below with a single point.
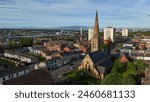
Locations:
(97, 62)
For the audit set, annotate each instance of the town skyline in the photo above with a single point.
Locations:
(50, 13)
(112, 57)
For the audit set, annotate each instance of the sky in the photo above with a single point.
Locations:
(56, 13)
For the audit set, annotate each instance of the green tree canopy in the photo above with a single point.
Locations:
(128, 80)
(130, 72)
(140, 64)
(118, 67)
(112, 79)
(26, 42)
(131, 65)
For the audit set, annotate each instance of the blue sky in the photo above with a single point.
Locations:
(55, 13)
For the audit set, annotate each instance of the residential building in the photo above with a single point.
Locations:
(20, 56)
(7, 74)
(81, 31)
(109, 32)
(50, 54)
(51, 46)
(36, 49)
(36, 77)
(90, 34)
(54, 63)
(125, 32)
(82, 47)
(63, 59)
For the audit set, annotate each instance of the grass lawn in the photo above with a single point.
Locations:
(86, 81)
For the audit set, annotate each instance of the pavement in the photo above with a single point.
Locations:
(59, 72)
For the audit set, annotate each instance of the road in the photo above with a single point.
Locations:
(59, 72)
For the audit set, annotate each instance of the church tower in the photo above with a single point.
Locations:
(95, 40)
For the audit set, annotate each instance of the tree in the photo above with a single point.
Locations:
(118, 67)
(38, 42)
(140, 64)
(12, 45)
(128, 80)
(26, 42)
(130, 71)
(131, 65)
(112, 79)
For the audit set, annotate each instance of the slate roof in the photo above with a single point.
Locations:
(101, 58)
(63, 54)
(22, 54)
(51, 52)
(53, 59)
(39, 47)
(101, 69)
(10, 71)
(36, 77)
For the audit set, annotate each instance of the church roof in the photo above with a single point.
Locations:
(101, 69)
(101, 58)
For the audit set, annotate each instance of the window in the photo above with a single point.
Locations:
(85, 65)
(17, 74)
(89, 69)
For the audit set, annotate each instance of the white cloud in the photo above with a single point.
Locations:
(73, 12)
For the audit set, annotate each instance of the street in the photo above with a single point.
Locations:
(59, 72)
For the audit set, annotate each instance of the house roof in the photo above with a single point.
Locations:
(51, 52)
(123, 58)
(53, 59)
(36, 77)
(63, 54)
(10, 71)
(39, 47)
(26, 55)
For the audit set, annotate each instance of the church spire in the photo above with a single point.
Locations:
(95, 40)
(96, 26)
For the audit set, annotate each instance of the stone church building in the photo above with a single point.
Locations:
(98, 61)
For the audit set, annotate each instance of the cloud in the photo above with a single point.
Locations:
(73, 12)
